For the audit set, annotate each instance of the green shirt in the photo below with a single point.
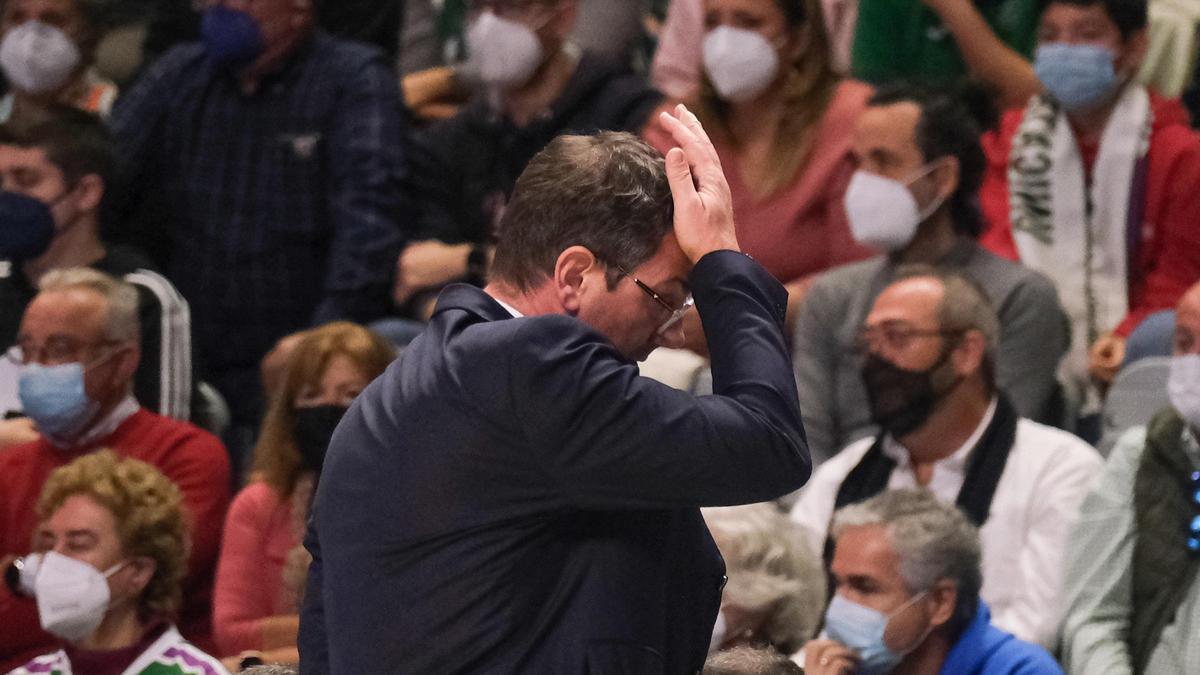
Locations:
(904, 39)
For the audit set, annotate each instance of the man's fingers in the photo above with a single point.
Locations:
(679, 176)
(692, 122)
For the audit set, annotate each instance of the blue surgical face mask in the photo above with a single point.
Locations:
(26, 227)
(1077, 76)
(55, 399)
(231, 37)
(861, 629)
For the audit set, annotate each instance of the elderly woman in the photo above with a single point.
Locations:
(110, 551)
(263, 566)
(46, 52)
(780, 119)
(776, 586)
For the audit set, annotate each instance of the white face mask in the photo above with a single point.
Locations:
(1183, 388)
(504, 53)
(72, 596)
(740, 63)
(37, 57)
(883, 213)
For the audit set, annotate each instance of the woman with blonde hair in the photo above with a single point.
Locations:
(781, 120)
(262, 569)
(110, 552)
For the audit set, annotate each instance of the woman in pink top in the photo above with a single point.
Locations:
(263, 566)
(781, 121)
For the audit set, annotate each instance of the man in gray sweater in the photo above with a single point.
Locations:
(914, 196)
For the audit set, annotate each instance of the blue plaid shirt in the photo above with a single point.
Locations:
(277, 209)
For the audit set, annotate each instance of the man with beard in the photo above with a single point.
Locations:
(927, 362)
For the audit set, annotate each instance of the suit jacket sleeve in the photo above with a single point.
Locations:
(612, 439)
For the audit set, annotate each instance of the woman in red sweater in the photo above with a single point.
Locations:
(262, 569)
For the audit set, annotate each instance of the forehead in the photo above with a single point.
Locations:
(15, 157)
(866, 551)
(892, 126)
(756, 7)
(81, 512)
(78, 312)
(39, 7)
(914, 301)
(668, 269)
(1065, 14)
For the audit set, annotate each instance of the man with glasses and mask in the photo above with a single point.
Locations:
(1133, 592)
(510, 495)
(907, 569)
(914, 199)
(55, 176)
(532, 84)
(927, 362)
(77, 354)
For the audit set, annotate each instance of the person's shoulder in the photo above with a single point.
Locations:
(845, 279)
(1054, 446)
(257, 497)
(173, 655)
(346, 52)
(836, 468)
(179, 60)
(997, 273)
(47, 664)
(122, 259)
(156, 430)
(1013, 656)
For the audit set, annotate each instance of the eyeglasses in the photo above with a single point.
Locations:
(894, 336)
(1193, 540)
(675, 313)
(56, 350)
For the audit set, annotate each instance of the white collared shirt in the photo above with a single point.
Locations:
(1047, 474)
(509, 308)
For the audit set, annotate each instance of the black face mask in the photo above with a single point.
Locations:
(314, 428)
(901, 400)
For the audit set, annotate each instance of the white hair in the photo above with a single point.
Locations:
(770, 568)
(934, 542)
(121, 298)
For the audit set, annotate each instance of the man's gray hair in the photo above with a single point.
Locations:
(934, 542)
(121, 298)
(770, 568)
(751, 661)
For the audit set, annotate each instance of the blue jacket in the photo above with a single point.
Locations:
(984, 649)
(510, 496)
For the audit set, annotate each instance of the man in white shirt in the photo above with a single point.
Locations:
(927, 350)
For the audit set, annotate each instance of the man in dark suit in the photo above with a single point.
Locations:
(510, 496)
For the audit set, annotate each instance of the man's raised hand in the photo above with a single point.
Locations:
(703, 206)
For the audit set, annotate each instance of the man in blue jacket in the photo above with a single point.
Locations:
(510, 496)
(907, 572)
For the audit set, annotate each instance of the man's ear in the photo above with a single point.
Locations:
(127, 361)
(1133, 52)
(142, 570)
(947, 175)
(968, 355)
(944, 598)
(570, 275)
(90, 191)
(562, 22)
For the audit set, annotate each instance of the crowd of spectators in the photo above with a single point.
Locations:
(220, 220)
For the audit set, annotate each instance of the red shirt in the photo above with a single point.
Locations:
(190, 456)
(1167, 262)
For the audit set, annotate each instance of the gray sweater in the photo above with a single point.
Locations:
(1034, 335)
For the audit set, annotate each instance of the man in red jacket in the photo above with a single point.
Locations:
(1094, 183)
(78, 350)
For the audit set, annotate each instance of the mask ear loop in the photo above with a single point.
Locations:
(928, 629)
(929, 168)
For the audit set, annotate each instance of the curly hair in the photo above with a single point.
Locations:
(147, 509)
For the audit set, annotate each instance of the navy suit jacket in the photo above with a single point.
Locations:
(511, 496)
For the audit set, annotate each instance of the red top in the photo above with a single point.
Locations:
(800, 229)
(190, 456)
(258, 536)
(1168, 259)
